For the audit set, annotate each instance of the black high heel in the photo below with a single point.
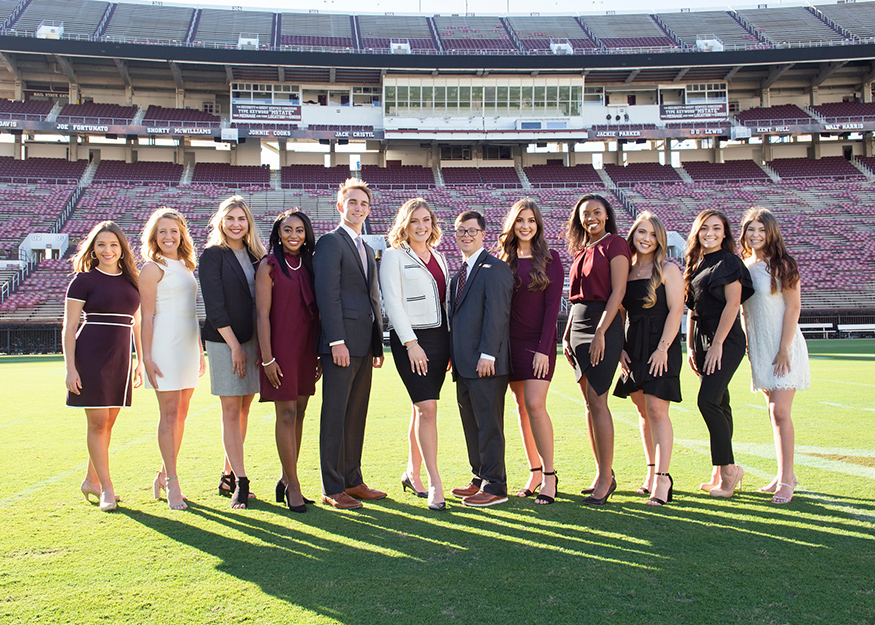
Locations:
(525, 492)
(600, 501)
(300, 509)
(655, 501)
(543, 499)
(281, 493)
(406, 483)
(227, 484)
(643, 490)
(241, 493)
(590, 491)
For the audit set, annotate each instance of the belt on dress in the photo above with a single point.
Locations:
(109, 319)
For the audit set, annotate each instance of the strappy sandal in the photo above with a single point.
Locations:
(782, 500)
(227, 484)
(525, 492)
(656, 501)
(644, 490)
(543, 499)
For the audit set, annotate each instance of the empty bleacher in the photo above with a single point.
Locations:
(135, 23)
(35, 110)
(832, 167)
(702, 171)
(221, 28)
(690, 26)
(143, 171)
(636, 173)
(6, 8)
(844, 112)
(231, 175)
(80, 17)
(401, 176)
(461, 176)
(557, 175)
(53, 170)
(614, 31)
(473, 34)
(93, 113)
(316, 30)
(20, 215)
(160, 116)
(536, 33)
(378, 31)
(313, 176)
(857, 17)
(500, 177)
(791, 25)
(784, 114)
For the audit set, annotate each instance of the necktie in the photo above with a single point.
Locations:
(463, 275)
(362, 256)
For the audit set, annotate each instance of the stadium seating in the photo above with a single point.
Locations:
(858, 18)
(536, 33)
(80, 17)
(472, 34)
(316, 30)
(461, 175)
(500, 177)
(93, 113)
(404, 176)
(19, 215)
(160, 116)
(613, 31)
(220, 28)
(230, 175)
(557, 175)
(143, 171)
(635, 173)
(55, 170)
(378, 31)
(688, 27)
(835, 167)
(789, 25)
(136, 23)
(35, 110)
(784, 114)
(313, 176)
(702, 171)
(844, 112)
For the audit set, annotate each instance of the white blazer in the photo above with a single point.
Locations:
(410, 292)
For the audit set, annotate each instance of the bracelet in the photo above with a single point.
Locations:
(412, 345)
(272, 360)
(659, 349)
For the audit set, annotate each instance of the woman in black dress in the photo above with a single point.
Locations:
(98, 357)
(651, 361)
(593, 337)
(414, 278)
(716, 283)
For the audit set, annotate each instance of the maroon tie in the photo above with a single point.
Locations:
(463, 274)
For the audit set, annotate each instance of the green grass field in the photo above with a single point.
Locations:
(696, 560)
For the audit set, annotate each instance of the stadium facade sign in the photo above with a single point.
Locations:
(264, 112)
(693, 112)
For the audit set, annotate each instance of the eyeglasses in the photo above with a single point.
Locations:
(468, 232)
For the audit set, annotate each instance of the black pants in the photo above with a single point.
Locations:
(481, 405)
(713, 399)
(345, 394)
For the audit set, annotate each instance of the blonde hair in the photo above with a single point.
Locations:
(83, 261)
(149, 248)
(658, 256)
(217, 234)
(354, 183)
(398, 232)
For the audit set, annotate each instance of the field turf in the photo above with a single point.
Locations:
(697, 560)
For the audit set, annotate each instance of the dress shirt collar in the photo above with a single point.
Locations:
(352, 233)
(473, 259)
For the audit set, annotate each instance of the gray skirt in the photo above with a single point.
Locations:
(225, 383)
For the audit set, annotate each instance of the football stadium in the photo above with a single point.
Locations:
(110, 110)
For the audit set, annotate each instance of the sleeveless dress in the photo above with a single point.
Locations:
(105, 340)
(642, 338)
(176, 346)
(294, 326)
(763, 320)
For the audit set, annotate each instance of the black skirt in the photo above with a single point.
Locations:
(436, 343)
(584, 318)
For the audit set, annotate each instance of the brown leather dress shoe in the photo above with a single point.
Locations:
(481, 500)
(341, 501)
(363, 492)
(466, 491)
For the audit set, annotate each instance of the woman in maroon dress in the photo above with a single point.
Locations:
(288, 323)
(98, 357)
(534, 309)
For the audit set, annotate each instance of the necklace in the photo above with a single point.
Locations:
(300, 262)
(589, 245)
(639, 270)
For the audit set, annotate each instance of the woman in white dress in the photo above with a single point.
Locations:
(172, 351)
(777, 351)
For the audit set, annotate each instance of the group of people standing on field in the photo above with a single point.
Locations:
(278, 319)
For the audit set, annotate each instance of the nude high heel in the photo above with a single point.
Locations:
(736, 483)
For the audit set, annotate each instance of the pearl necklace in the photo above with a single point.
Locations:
(300, 262)
(589, 245)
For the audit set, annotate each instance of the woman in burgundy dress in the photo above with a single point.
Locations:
(288, 324)
(98, 357)
(538, 279)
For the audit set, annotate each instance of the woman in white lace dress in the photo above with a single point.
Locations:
(777, 350)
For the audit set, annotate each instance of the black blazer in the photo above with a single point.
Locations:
(480, 319)
(227, 299)
(345, 299)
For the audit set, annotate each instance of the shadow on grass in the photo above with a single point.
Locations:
(690, 561)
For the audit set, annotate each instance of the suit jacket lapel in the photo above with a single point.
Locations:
(477, 264)
(345, 236)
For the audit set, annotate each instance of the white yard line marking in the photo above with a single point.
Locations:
(3, 425)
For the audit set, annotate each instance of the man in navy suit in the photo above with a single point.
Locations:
(350, 345)
(480, 296)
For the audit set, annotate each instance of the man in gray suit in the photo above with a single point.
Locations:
(480, 296)
(350, 345)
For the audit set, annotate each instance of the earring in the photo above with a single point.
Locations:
(93, 255)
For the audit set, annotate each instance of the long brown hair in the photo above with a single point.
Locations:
(693, 255)
(83, 261)
(576, 234)
(149, 248)
(508, 246)
(398, 232)
(782, 267)
(658, 256)
(217, 235)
